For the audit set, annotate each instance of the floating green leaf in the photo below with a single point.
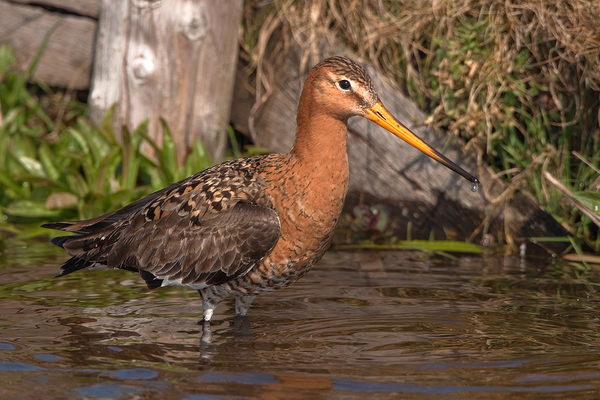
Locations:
(423, 245)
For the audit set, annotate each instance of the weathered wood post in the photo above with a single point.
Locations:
(173, 59)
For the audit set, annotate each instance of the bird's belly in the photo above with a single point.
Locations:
(278, 270)
(267, 277)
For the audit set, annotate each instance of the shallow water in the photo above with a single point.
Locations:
(400, 325)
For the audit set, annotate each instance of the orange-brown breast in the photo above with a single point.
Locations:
(307, 188)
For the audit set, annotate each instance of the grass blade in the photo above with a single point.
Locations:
(168, 154)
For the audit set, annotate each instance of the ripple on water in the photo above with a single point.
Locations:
(47, 357)
(11, 366)
(370, 325)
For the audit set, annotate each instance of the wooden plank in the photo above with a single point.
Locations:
(67, 60)
(89, 8)
(173, 59)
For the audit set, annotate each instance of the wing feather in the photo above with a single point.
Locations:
(209, 228)
(228, 244)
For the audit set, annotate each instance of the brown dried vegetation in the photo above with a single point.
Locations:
(519, 80)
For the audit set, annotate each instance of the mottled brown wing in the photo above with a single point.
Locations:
(211, 250)
(208, 228)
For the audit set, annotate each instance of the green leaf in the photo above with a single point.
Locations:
(33, 166)
(32, 232)
(100, 176)
(11, 183)
(80, 139)
(47, 160)
(114, 161)
(76, 183)
(233, 141)
(30, 209)
(168, 154)
(37, 110)
(139, 134)
(579, 251)
(130, 158)
(105, 127)
(22, 145)
(424, 245)
(97, 144)
(590, 200)
(198, 160)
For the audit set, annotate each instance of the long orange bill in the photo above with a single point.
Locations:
(382, 117)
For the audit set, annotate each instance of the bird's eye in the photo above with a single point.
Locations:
(344, 84)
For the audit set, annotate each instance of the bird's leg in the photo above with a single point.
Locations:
(210, 301)
(242, 303)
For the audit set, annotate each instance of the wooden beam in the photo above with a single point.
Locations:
(89, 8)
(173, 59)
(67, 59)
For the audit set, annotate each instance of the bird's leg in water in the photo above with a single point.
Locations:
(210, 301)
(242, 303)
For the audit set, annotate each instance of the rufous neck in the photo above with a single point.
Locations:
(319, 135)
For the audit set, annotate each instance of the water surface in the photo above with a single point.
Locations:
(360, 325)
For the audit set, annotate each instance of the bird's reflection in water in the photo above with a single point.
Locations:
(241, 333)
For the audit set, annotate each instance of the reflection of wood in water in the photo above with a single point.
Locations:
(291, 387)
(370, 264)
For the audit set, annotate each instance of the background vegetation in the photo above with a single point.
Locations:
(55, 164)
(518, 80)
